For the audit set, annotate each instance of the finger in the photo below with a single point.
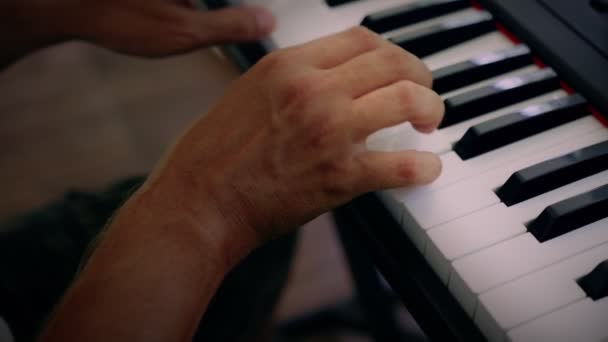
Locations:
(231, 24)
(333, 50)
(394, 104)
(384, 170)
(379, 68)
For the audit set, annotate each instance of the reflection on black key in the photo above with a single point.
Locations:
(492, 134)
(480, 68)
(333, 3)
(551, 174)
(448, 33)
(502, 93)
(411, 13)
(595, 284)
(575, 212)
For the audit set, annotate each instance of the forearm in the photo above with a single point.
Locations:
(27, 26)
(150, 278)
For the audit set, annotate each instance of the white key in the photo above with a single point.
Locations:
(416, 219)
(489, 268)
(458, 237)
(489, 42)
(294, 26)
(434, 21)
(586, 320)
(301, 21)
(489, 81)
(479, 189)
(535, 295)
(455, 169)
(459, 170)
(404, 136)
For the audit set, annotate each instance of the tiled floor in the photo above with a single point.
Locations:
(78, 116)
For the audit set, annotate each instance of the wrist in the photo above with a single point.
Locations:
(167, 199)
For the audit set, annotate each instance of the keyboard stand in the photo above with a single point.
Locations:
(428, 300)
(372, 241)
(370, 312)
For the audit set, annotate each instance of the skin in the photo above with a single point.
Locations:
(283, 145)
(153, 28)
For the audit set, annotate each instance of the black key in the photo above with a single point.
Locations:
(551, 174)
(411, 13)
(332, 3)
(570, 214)
(502, 93)
(448, 33)
(492, 134)
(481, 68)
(600, 5)
(595, 284)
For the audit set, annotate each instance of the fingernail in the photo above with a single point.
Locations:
(265, 20)
(426, 129)
(432, 166)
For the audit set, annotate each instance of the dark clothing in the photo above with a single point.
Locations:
(40, 254)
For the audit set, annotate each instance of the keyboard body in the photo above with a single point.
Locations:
(508, 283)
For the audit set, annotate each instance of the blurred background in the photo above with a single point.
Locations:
(78, 117)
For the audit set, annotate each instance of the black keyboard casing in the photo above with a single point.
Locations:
(563, 41)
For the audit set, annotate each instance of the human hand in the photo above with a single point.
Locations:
(284, 144)
(157, 27)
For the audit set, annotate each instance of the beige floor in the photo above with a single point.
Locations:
(75, 116)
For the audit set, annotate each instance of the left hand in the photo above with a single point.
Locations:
(154, 28)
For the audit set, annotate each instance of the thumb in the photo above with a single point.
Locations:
(233, 24)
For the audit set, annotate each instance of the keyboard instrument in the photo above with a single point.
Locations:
(516, 227)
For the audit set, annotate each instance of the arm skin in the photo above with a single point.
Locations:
(151, 276)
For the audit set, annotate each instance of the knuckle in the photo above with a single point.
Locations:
(406, 93)
(409, 169)
(364, 37)
(322, 130)
(272, 62)
(395, 56)
(407, 65)
(339, 177)
(399, 61)
(288, 84)
(297, 90)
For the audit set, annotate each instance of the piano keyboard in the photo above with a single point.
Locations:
(517, 225)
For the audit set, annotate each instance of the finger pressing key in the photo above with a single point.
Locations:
(394, 104)
(384, 170)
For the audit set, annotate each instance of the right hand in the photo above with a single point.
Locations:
(284, 143)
